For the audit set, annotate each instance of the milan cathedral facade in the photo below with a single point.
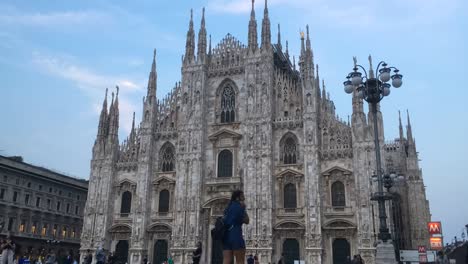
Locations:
(243, 117)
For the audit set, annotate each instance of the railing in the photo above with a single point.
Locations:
(291, 211)
(339, 211)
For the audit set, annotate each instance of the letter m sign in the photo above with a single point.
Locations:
(434, 228)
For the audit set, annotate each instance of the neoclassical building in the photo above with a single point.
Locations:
(40, 209)
(245, 117)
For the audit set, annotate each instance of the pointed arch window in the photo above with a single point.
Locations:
(290, 151)
(167, 157)
(290, 197)
(228, 104)
(164, 201)
(126, 204)
(338, 194)
(225, 163)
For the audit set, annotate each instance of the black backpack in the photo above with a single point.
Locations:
(217, 233)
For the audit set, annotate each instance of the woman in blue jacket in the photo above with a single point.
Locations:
(233, 241)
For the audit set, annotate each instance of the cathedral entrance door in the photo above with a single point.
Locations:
(160, 251)
(121, 252)
(341, 251)
(290, 250)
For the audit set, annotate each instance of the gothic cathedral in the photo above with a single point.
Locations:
(243, 117)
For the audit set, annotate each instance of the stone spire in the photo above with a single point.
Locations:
(102, 129)
(209, 48)
(287, 50)
(202, 39)
(409, 130)
(152, 80)
(253, 42)
(309, 54)
(279, 37)
(302, 44)
(400, 127)
(266, 32)
(317, 83)
(114, 115)
(132, 131)
(190, 44)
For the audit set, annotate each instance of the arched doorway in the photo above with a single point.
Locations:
(121, 252)
(291, 250)
(160, 251)
(341, 251)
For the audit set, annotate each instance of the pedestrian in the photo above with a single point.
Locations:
(256, 260)
(100, 256)
(348, 260)
(111, 258)
(8, 250)
(250, 259)
(281, 260)
(169, 260)
(88, 258)
(235, 216)
(360, 260)
(51, 258)
(69, 258)
(196, 255)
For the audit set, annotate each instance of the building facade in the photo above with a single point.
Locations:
(39, 208)
(245, 117)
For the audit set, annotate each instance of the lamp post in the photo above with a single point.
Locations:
(373, 90)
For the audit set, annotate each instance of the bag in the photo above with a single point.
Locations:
(217, 233)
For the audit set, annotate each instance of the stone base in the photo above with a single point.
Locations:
(385, 253)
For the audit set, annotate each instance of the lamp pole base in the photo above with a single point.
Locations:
(385, 253)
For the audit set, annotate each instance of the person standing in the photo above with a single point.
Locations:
(197, 254)
(100, 256)
(250, 259)
(111, 258)
(169, 260)
(235, 216)
(8, 251)
(50, 258)
(256, 260)
(281, 260)
(88, 258)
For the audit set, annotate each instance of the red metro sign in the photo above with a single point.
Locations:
(435, 228)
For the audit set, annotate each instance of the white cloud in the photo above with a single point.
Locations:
(64, 18)
(358, 14)
(92, 84)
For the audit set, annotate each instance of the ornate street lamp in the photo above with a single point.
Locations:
(373, 89)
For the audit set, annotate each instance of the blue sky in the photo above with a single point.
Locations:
(58, 57)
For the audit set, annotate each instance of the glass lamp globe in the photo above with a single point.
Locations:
(348, 87)
(356, 78)
(401, 177)
(384, 74)
(386, 89)
(360, 94)
(397, 80)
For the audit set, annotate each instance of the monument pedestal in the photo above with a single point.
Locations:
(385, 253)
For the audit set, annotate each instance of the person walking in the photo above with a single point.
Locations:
(8, 251)
(235, 216)
(250, 259)
(196, 255)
